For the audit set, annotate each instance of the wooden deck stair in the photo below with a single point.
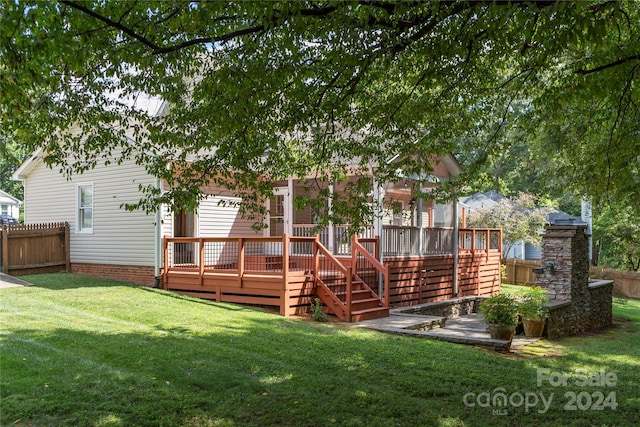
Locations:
(365, 304)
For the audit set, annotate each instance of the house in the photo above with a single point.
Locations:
(9, 205)
(410, 254)
(520, 249)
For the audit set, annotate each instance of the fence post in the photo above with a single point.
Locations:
(5, 249)
(67, 247)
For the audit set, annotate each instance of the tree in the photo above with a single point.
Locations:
(259, 91)
(617, 234)
(519, 218)
(11, 155)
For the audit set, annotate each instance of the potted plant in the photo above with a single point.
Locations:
(501, 315)
(534, 310)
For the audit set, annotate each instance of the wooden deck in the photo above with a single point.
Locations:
(289, 272)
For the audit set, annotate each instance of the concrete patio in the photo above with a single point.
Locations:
(465, 329)
(7, 281)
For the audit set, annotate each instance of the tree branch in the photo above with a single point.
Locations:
(609, 65)
(111, 23)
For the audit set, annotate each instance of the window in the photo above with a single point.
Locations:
(85, 208)
(5, 209)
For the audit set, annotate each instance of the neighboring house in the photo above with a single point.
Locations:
(9, 205)
(215, 253)
(520, 249)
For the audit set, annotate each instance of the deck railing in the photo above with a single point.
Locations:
(480, 239)
(340, 243)
(248, 254)
(368, 267)
(281, 255)
(399, 240)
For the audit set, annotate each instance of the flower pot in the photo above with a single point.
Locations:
(501, 332)
(533, 327)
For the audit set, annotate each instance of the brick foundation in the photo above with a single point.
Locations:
(140, 275)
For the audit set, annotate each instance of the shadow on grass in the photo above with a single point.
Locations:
(273, 371)
(177, 296)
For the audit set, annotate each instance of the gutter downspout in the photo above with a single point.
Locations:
(454, 244)
(157, 246)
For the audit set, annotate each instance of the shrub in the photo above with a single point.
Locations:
(500, 310)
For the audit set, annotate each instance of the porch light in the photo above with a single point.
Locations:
(550, 267)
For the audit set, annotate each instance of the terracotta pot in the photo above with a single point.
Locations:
(501, 332)
(533, 327)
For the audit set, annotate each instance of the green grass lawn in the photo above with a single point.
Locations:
(79, 351)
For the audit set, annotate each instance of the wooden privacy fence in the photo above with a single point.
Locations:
(625, 283)
(35, 248)
(520, 271)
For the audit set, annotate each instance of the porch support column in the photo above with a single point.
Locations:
(289, 208)
(419, 220)
(331, 237)
(454, 244)
(158, 249)
(378, 195)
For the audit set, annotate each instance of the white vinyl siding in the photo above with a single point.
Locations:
(217, 220)
(119, 236)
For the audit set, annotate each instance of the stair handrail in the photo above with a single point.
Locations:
(331, 257)
(347, 271)
(356, 248)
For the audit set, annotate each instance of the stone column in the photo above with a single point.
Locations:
(564, 271)
(576, 306)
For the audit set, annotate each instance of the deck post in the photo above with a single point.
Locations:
(316, 259)
(487, 244)
(454, 243)
(240, 260)
(331, 238)
(284, 294)
(387, 290)
(473, 243)
(419, 221)
(381, 280)
(201, 260)
(354, 255)
(285, 259)
(348, 295)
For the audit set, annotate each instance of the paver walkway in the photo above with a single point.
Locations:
(465, 329)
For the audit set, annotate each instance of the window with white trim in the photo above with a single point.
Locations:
(85, 209)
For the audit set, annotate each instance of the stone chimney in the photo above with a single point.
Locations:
(576, 305)
(564, 270)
